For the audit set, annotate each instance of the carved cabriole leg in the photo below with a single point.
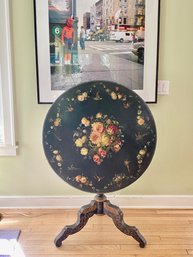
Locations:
(83, 215)
(117, 216)
(100, 206)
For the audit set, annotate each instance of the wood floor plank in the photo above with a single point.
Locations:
(105, 249)
(94, 255)
(112, 255)
(169, 233)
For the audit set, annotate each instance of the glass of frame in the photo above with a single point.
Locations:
(113, 40)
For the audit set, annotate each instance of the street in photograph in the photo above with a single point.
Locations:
(96, 40)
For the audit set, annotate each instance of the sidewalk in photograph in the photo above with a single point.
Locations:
(100, 61)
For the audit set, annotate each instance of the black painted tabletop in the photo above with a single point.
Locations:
(99, 136)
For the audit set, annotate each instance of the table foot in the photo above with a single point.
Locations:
(83, 215)
(117, 216)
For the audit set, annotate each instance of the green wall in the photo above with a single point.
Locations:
(171, 171)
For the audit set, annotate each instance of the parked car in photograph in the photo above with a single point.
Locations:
(121, 36)
(138, 50)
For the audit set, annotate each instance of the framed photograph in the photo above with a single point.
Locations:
(84, 40)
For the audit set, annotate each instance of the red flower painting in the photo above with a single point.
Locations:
(98, 137)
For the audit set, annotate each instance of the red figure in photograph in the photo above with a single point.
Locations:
(67, 38)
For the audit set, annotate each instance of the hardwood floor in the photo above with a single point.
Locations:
(169, 233)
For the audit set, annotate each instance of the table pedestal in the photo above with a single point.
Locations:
(100, 205)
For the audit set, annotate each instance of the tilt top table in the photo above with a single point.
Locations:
(99, 137)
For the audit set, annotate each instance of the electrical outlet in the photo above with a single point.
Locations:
(163, 87)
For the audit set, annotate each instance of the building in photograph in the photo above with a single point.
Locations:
(99, 11)
(111, 13)
(86, 20)
(122, 14)
(140, 13)
(128, 12)
(117, 15)
(93, 18)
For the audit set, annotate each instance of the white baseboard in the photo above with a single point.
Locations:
(76, 201)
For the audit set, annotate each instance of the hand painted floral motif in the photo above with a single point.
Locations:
(117, 180)
(110, 126)
(82, 97)
(117, 95)
(82, 181)
(57, 157)
(98, 137)
(141, 154)
(140, 118)
(56, 122)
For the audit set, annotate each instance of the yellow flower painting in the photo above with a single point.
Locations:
(97, 137)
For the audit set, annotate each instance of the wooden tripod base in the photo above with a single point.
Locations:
(100, 206)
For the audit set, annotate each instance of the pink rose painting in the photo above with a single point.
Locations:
(98, 137)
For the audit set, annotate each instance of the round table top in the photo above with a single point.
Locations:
(99, 136)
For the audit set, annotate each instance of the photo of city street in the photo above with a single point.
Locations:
(107, 42)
